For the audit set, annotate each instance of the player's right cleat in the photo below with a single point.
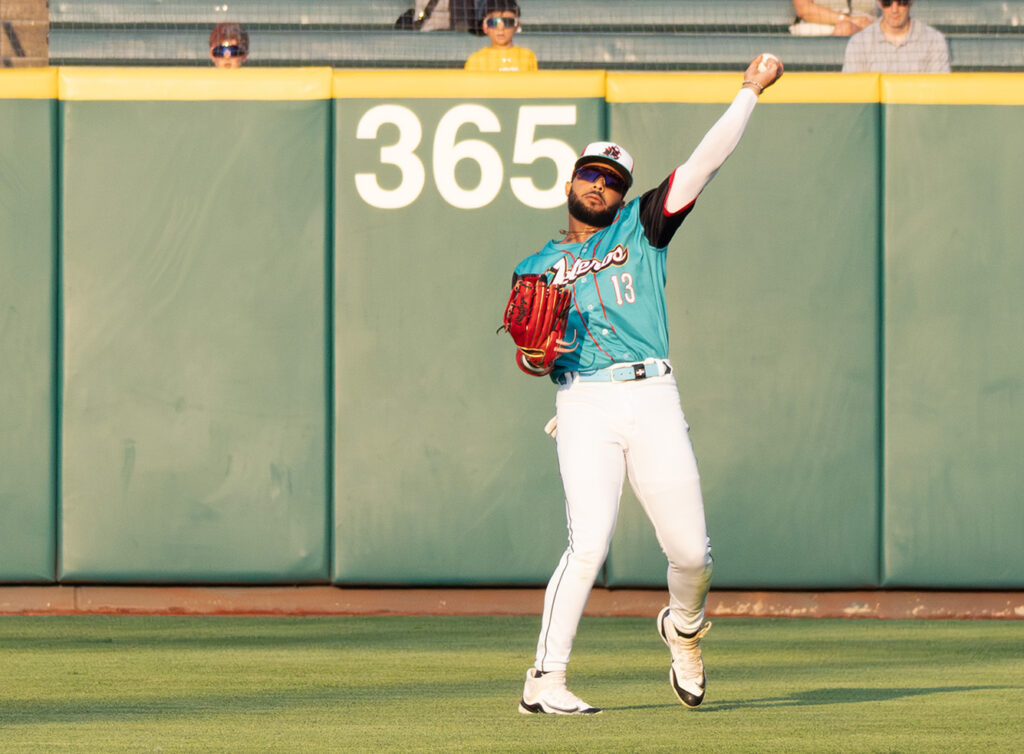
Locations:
(687, 672)
(545, 693)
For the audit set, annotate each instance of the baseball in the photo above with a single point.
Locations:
(765, 57)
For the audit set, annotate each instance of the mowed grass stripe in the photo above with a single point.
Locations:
(97, 683)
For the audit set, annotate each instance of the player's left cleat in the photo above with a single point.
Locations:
(546, 693)
(687, 672)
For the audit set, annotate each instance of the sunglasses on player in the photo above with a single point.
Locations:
(612, 180)
(227, 51)
(887, 3)
(499, 22)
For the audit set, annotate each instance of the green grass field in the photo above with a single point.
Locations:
(97, 683)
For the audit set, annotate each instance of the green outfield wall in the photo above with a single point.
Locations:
(194, 250)
(443, 473)
(248, 326)
(954, 342)
(28, 306)
(773, 309)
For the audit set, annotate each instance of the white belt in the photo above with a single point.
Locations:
(620, 372)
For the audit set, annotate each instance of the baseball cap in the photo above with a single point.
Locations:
(609, 153)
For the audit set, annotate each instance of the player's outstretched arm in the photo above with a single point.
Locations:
(718, 143)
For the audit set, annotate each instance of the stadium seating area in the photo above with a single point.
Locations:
(984, 35)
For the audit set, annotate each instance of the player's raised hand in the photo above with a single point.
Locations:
(763, 71)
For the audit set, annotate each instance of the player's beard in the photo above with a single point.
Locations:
(598, 218)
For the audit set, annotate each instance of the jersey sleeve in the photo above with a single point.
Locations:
(659, 224)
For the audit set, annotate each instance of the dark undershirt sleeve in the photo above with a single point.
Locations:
(659, 226)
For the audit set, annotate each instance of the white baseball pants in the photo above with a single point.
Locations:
(605, 431)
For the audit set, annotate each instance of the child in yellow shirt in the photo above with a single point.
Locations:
(500, 23)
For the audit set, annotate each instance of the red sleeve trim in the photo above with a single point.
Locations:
(664, 202)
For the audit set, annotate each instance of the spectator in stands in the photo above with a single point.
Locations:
(440, 15)
(500, 22)
(229, 45)
(897, 44)
(838, 18)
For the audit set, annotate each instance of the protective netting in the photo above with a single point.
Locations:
(982, 35)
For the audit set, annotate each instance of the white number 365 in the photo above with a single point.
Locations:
(448, 151)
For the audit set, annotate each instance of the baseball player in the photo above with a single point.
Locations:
(618, 410)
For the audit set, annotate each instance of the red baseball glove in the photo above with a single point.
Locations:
(535, 317)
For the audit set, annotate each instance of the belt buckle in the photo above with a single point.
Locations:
(633, 372)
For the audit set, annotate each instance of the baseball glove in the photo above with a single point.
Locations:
(535, 317)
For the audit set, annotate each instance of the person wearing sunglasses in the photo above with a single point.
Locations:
(897, 44)
(229, 45)
(500, 22)
(837, 18)
(617, 405)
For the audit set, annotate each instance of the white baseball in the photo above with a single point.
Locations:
(765, 57)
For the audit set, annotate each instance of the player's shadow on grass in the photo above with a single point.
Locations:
(816, 697)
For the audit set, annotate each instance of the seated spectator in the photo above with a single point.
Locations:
(897, 44)
(229, 45)
(463, 16)
(838, 18)
(439, 15)
(500, 22)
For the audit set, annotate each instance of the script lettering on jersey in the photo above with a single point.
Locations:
(566, 275)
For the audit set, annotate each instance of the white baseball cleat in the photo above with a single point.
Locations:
(545, 693)
(687, 672)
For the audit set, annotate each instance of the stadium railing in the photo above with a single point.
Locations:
(986, 35)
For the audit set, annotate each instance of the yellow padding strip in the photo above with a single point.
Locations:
(954, 89)
(415, 84)
(722, 87)
(143, 84)
(28, 83)
(191, 84)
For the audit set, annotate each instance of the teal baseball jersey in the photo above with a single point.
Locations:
(618, 281)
